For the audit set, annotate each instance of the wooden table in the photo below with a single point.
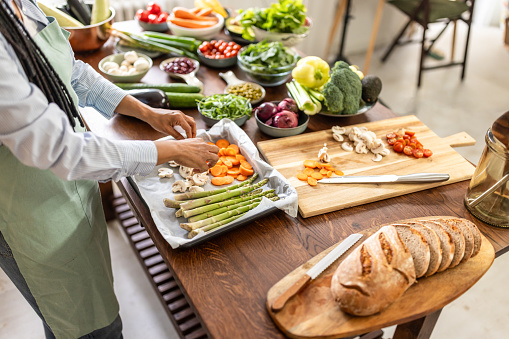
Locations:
(226, 279)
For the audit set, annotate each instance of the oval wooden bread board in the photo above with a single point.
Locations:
(313, 313)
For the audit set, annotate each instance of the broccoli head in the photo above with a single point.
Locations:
(343, 91)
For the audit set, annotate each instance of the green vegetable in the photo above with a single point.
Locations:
(219, 106)
(343, 91)
(63, 19)
(170, 87)
(303, 98)
(183, 100)
(267, 57)
(196, 195)
(311, 71)
(100, 11)
(80, 10)
(285, 16)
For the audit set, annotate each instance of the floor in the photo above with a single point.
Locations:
(443, 103)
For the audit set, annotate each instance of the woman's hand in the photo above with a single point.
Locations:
(193, 152)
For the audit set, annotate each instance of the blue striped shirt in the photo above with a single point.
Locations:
(38, 133)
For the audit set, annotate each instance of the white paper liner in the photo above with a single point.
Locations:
(154, 189)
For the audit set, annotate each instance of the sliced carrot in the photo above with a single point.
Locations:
(308, 171)
(246, 171)
(234, 160)
(230, 151)
(235, 147)
(218, 181)
(329, 174)
(191, 23)
(317, 176)
(225, 169)
(196, 10)
(216, 170)
(246, 164)
(204, 12)
(240, 157)
(302, 176)
(312, 181)
(221, 152)
(310, 163)
(222, 143)
(241, 177)
(318, 165)
(234, 171)
(327, 166)
(219, 162)
(338, 172)
(323, 171)
(228, 163)
(211, 143)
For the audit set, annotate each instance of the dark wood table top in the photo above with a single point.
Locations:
(227, 278)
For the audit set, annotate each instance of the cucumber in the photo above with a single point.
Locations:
(171, 87)
(63, 19)
(80, 11)
(184, 100)
(100, 11)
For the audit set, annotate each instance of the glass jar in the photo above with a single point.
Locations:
(487, 197)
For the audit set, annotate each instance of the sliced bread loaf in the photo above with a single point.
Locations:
(476, 234)
(446, 243)
(434, 246)
(457, 237)
(418, 246)
(467, 234)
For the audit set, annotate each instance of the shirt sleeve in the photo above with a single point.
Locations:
(38, 133)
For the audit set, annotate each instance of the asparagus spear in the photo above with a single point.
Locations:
(179, 213)
(171, 203)
(233, 201)
(196, 195)
(216, 225)
(221, 196)
(227, 208)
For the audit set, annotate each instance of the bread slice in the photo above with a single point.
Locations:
(434, 246)
(374, 275)
(446, 243)
(457, 237)
(467, 234)
(418, 247)
(476, 234)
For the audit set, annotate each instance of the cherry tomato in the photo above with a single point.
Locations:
(153, 8)
(398, 147)
(152, 18)
(406, 137)
(142, 15)
(391, 141)
(203, 48)
(413, 145)
(408, 150)
(427, 153)
(162, 18)
(391, 136)
(418, 153)
(409, 133)
(234, 52)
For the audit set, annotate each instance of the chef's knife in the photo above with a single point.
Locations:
(391, 178)
(315, 271)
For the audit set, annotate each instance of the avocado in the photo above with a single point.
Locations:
(371, 88)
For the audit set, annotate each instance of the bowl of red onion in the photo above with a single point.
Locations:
(280, 118)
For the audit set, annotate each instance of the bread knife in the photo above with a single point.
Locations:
(315, 271)
(374, 179)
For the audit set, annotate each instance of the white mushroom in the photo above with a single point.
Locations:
(108, 65)
(141, 64)
(173, 163)
(361, 148)
(180, 186)
(322, 154)
(196, 189)
(185, 172)
(385, 152)
(338, 137)
(165, 172)
(200, 179)
(338, 130)
(347, 146)
(131, 57)
(378, 149)
(125, 63)
(377, 157)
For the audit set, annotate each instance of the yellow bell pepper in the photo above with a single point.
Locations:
(311, 72)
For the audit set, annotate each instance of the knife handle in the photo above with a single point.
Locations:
(423, 177)
(280, 301)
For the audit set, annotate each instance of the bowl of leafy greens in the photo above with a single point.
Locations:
(219, 106)
(267, 63)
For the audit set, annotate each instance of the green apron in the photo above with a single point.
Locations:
(56, 229)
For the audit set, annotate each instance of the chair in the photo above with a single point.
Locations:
(425, 12)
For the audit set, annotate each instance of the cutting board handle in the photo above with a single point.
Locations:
(460, 139)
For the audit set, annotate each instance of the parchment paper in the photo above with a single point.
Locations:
(154, 189)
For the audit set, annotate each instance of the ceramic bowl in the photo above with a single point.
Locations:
(92, 37)
(277, 132)
(118, 58)
(287, 39)
(217, 63)
(198, 33)
(211, 121)
(147, 26)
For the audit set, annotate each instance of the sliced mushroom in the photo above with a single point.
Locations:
(347, 146)
(338, 130)
(165, 172)
(377, 157)
(338, 137)
(185, 172)
(385, 152)
(196, 189)
(180, 186)
(200, 179)
(173, 163)
(378, 149)
(322, 154)
(361, 148)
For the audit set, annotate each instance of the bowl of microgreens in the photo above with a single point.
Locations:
(267, 63)
(219, 106)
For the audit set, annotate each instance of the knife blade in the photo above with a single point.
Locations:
(315, 271)
(390, 178)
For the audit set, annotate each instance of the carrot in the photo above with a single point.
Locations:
(317, 176)
(329, 174)
(218, 181)
(225, 169)
(211, 143)
(219, 162)
(246, 171)
(318, 165)
(234, 171)
(230, 151)
(229, 179)
(196, 10)
(327, 166)
(191, 23)
(338, 172)
(204, 12)
(184, 13)
(310, 163)
(222, 143)
(302, 176)
(308, 171)
(216, 170)
(234, 160)
(246, 165)
(228, 163)
(323, 171)
(312, 181)
(235, 147)
(240, 157)
(241, 177)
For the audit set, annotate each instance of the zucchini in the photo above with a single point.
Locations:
(63, 19)
(80, 11)
(170, 87)
(184, 100)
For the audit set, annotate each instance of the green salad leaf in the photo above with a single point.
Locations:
(219, 106)
(266, 56)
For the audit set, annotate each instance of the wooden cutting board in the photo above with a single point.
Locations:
(287, 155)
(313, 313)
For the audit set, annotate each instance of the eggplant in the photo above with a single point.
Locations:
(152, 97)
(80, 11)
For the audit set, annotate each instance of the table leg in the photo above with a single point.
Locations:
(418, 329)
(339, 13)
(374, 32)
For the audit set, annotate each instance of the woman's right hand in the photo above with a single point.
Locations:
(193, 152)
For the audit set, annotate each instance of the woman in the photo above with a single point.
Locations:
(53, 240)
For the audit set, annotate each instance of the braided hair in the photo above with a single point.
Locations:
(35, 64)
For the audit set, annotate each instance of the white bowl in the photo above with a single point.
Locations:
(199, 33)
(287, 39)
(118, 58)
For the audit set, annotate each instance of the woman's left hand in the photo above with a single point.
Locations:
(165, 121)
